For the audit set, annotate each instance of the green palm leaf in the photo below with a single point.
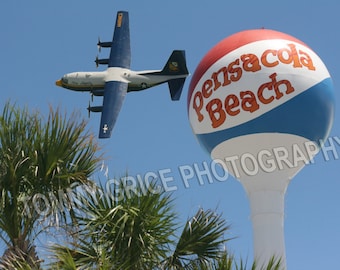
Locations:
(200, 242)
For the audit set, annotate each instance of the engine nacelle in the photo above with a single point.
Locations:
(103, 44)
(98, 92)
(101, 61)
(95, 108)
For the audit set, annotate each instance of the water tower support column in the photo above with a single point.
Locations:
(267, 215)
(266, 193)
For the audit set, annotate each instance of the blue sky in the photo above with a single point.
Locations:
(43, 40)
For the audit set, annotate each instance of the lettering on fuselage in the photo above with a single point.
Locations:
(219, 110)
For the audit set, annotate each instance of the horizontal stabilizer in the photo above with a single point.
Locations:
(176, 87)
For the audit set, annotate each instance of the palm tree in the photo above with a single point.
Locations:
(138, 231)
(39, 160)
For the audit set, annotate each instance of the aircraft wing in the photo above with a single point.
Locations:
(114, 94)
(115, 87)
(120, 55)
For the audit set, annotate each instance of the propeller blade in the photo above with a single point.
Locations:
(97, 61)
(99, 45)
(89, 110)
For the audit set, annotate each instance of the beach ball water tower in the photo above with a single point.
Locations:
(261, 103)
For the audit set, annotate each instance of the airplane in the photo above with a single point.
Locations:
(118, 78)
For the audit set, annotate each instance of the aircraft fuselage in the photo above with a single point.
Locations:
(95, 81)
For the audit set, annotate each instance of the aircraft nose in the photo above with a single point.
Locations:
(59, 83)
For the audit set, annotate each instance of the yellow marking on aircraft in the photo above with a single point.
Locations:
(119, 19)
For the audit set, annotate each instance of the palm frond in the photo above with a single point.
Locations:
(201, 241)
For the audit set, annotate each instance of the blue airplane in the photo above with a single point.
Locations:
(118, 79)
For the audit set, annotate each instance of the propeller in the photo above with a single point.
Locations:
(99, 45)
(89, 109)
(97, 61)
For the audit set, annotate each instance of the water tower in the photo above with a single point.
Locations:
(261, 101)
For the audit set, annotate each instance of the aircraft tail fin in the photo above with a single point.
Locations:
(176, 65)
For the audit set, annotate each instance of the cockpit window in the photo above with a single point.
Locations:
(64, 80)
